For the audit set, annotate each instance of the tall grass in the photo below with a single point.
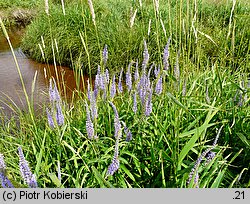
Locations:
(199, 97)
(201, 30)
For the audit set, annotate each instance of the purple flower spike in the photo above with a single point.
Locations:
(129, 78)
(166, 56)
(208, 154)
(2, 164)
(5, 182)
(117, 123)
(105, 55)
(115, 164)
(89, 124)
(93, 106)
(142, 87)
(59, 114)
(135, 103)
(157, 71)
(120, 88)
(145, 55)
(136, 76)
(158, 87)
(102, 80)
(148, 104)
(28, 177)
(127, 132)
(50, 119)
(107, 76)
(113, 88)
(53, 91)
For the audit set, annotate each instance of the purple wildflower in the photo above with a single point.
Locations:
(208, 152)
(113, 87)
(96, 89)
(120, 88)
(89, 124)
(50, 119)
(210, 155)
(53, 91)
(158, 86)
(93, 106)
(157, 71)
(105, 55)
(2, 164)
(115, 164)
(142, 87)
(129, 78)
(135, 103)
(127, 132)
(107, 76)
(166, 56)
(196, 180)
(28, 177)
(102, 80)
(148, 103)
(117, 123)
(59, 114)
(148, 78)
(136, 75)
(145, 55)
(5, 182)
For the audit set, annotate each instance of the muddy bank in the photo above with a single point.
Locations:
(17, 17)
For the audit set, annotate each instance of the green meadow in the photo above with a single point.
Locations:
(170, 101)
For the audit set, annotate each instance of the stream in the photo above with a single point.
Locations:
(11, 91)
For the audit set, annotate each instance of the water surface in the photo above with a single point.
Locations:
(11, 90)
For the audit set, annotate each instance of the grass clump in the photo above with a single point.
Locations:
(165, 120)
(197, 28)
(18, 12)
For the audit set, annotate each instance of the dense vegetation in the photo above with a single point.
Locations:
(203, 31)
(192, 89)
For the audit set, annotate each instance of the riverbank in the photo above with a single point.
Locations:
(19, 12)
(17, 17)
(202, 33)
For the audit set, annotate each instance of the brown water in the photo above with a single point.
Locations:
(11, 91)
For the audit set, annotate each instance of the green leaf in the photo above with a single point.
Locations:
(243, 139)
(55, 180)
(127, 172)
(103, 183)
(39, 158)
